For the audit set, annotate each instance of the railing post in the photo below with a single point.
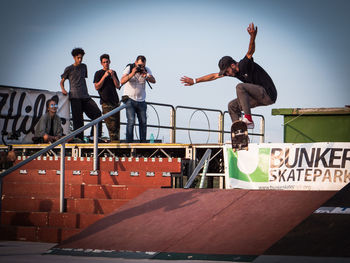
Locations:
(0, 198)
(95, 166)
(62, 175)
(221, 128)
(204, 174)
(262, 130)
(173, 125)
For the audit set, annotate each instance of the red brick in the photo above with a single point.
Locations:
(26, 233)
(72, 220)
(98, 191)
(107, 165)
(79, 164)
(8, 232)
(142, 164)
(42, 164)
(125, 178)
(106, 178)
(23, 233)
(64, 220)
(26, 204)
(52, 190)
(94, 206)
(49, 234)
(84, 177)
(27, 189)
(24, 218)
(70, 163)
(32, 176)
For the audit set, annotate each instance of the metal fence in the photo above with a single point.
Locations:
(177, 124)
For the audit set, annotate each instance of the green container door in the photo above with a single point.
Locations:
(315, 125)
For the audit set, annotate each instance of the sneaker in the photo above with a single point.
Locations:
(99, 139)
(76, 140)
(250, 124)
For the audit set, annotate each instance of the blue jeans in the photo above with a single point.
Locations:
(139, 108)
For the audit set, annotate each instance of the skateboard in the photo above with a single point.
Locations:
(239, 136)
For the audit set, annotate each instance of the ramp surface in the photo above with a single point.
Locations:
(204, 221)
(325, 233)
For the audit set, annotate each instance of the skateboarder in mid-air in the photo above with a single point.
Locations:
(257, 88)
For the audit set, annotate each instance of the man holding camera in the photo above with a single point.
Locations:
(135, 77)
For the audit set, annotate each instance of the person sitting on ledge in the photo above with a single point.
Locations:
(49, 127)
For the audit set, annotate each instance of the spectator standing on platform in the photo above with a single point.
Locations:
(49, 127)
(106, 82)
(135, 77)
(257, 88)
(80, 100)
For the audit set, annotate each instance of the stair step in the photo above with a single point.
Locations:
(109, 163)
(160, 179)
(92, 191)
(86, 205)
(141, 164)
(94, 206)
(52, 190)
(72, 220)
(24, 218)
(49, 219)
(36, 233)
(52, 176)
(134, 177)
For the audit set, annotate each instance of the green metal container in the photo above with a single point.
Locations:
(315, 125)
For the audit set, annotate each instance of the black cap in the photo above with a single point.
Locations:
(224, 63)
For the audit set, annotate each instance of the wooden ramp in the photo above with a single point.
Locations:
(203, 221)
(325, 233)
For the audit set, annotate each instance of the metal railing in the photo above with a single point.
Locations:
(204, 162)
(174, 112)
(62, 141)
(203, 110)
(172, 126)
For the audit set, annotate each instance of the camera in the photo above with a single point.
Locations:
(140, 69)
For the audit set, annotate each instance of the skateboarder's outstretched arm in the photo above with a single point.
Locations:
(190, 81)
(252, 32)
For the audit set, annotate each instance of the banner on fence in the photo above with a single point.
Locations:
(21, 109)
(286, 166)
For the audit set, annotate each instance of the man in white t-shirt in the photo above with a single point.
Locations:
(134, 77)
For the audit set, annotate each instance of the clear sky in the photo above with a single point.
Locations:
(302, 44)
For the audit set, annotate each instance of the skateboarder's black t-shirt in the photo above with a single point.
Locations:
(108, 93)
(251, 72)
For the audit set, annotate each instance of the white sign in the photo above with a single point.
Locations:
(287, 166)
(21, 109)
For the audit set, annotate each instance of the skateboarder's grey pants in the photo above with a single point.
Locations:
(248, 96)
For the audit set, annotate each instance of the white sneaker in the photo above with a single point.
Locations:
(250, 124)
